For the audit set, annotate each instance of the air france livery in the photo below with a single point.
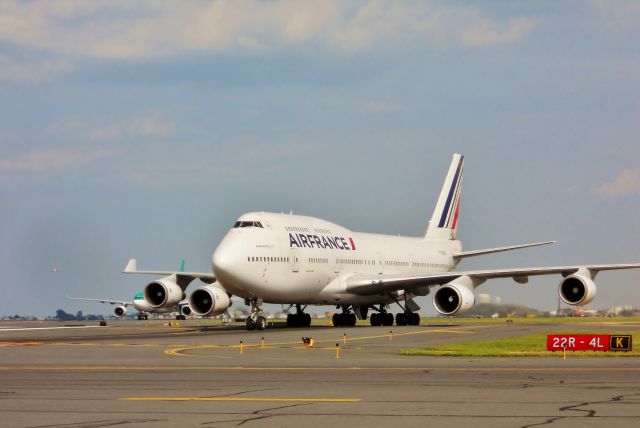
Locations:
(299, 261)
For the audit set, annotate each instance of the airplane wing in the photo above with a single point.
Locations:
(111, 302)
(473, 253)
(132, 268)
(373, 284)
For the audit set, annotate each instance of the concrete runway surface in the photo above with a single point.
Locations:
(148, 374)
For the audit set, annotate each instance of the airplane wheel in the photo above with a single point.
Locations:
(306, 318)
(415, 319)
(387, 320)
(351, 320)
(140, 317)
(251, 324)
(261, 323)
(291, 320)
(375, 320)
(337, 320)
(401, 319)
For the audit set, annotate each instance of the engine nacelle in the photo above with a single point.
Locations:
(453, 299)
(209, 301)
(163, 293)
(577, 290)
(186, 310)
(120, 311)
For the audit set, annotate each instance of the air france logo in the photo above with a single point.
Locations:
(327, 242)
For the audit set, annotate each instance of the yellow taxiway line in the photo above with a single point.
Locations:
(316, 369)
(288, 400)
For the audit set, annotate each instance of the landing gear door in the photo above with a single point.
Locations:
(294, 261)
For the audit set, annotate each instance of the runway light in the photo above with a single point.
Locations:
(337, 350)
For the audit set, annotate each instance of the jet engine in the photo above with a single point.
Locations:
(453, 298)
(120, 311)
(185, 310)
(209, 301)
(577, 290)
(163, 293)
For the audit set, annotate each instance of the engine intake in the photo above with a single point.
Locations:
(453, 299)
(120, 311)
(163, 293)
(209, 301)
(577, 290)
(186, 310)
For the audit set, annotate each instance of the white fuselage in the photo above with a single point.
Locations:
(283, 258)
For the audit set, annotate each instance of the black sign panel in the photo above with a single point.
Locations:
(620, 343)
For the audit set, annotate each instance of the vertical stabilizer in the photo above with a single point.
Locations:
(444, 221)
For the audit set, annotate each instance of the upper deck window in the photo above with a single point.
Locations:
(247, 224)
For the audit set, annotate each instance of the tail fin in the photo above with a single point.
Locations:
(444, 221)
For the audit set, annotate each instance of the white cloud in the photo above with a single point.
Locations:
(121, 29)
(47, 160)
(626, 183)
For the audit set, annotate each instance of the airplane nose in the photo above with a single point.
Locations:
(226, 263)
(222, 260)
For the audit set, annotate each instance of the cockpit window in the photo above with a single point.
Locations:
(247, 224)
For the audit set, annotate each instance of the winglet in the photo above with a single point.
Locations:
(132, 266)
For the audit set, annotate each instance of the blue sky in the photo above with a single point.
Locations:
(143, 129)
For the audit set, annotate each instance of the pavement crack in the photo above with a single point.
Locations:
(257, 415)
(589, 413)
(245, 392)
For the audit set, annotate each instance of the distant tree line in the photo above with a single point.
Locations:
(79, 316)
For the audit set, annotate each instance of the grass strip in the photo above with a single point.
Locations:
(534, 345)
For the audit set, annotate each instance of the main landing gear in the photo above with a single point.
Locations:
(142, 317)
(407, 318)
(344, 319)
(255, 320)
(382, 317)
(299, 319)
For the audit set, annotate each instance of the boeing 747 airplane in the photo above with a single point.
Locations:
(301, 261)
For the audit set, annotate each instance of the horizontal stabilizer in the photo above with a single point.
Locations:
(474, 253)
(132, 268)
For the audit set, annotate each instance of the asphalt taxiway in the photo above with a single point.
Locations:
(147, 373)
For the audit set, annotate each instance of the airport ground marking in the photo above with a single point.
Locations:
(182, 351)
(18, 344)
(254, 399)
(316, 369)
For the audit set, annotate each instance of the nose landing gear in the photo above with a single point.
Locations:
(256, 320)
